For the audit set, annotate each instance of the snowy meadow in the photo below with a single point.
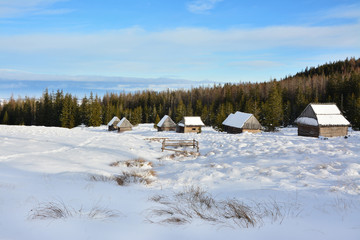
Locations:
(88, 183)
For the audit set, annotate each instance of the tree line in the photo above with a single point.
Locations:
(274, 103)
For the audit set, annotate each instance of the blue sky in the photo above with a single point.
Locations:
(197, 40)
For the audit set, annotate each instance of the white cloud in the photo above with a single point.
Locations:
(191, 53)
(201, 6)
(342, 12)
(127, 42)
(17, 8)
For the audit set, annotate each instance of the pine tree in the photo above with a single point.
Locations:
(137, 116)
(198, 108)
(95, 118)
(67, 117)
(272, 109)
(353, 111)
(47, 112)
(220, 117)
(157, 120)
(5, 118)
(58, 105)
(85, 111)
(205, 115)
(180, 111)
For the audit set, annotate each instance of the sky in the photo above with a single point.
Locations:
(200, 41)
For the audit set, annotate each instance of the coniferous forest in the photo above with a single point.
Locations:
(275, 103)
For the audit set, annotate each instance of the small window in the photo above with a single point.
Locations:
(194, 129)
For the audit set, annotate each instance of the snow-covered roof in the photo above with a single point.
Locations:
(113, 120)
(327, 114)
(307, 121)
(191, 121)
(124, 123)
(327, 108)
(237, 119)
(332, 120)
(162, 121)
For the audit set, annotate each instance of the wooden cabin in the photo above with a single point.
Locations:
(241, 122)
(112, 124)
(124, 125)
(166, 124)
(322, 119)
(190, 124)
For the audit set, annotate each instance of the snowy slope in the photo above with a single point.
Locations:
(316, 182)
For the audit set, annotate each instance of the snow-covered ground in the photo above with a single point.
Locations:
(314, 183)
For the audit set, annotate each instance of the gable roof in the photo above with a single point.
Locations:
(325, 108)
(191, 121)
(166, 120)
(322, 114)
(113, 120)
(124, 123)
(237, 119)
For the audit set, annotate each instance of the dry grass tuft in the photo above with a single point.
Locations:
(127, 178)
(195, 203)
(51, 210)
(100, 178)
(141, 172)
(138, 163)
(59, 210)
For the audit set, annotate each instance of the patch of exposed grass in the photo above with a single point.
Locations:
(59, 210)
(126, 178)
(100, 178)
(194, 203)
(140, 172)
(134, 163)
(144, 177)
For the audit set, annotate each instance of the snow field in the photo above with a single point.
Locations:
(317, 180)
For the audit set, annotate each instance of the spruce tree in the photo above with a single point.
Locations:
(220, 117)
(95, 118)
(272, 109)
(180, 111)
(58, 105)
(5, 118)
(85, 111)
(67, 117)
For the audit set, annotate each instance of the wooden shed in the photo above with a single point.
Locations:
(124, 125)
(112, 124)
(322, 119)
(241, 122)
(166, 124)
(190, 124)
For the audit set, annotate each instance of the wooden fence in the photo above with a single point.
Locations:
(179, 143)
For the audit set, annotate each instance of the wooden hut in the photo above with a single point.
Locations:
(166, 124)
(322, 120)
(241, 122)
(112, 124)
(124, 125)
(190, 124)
